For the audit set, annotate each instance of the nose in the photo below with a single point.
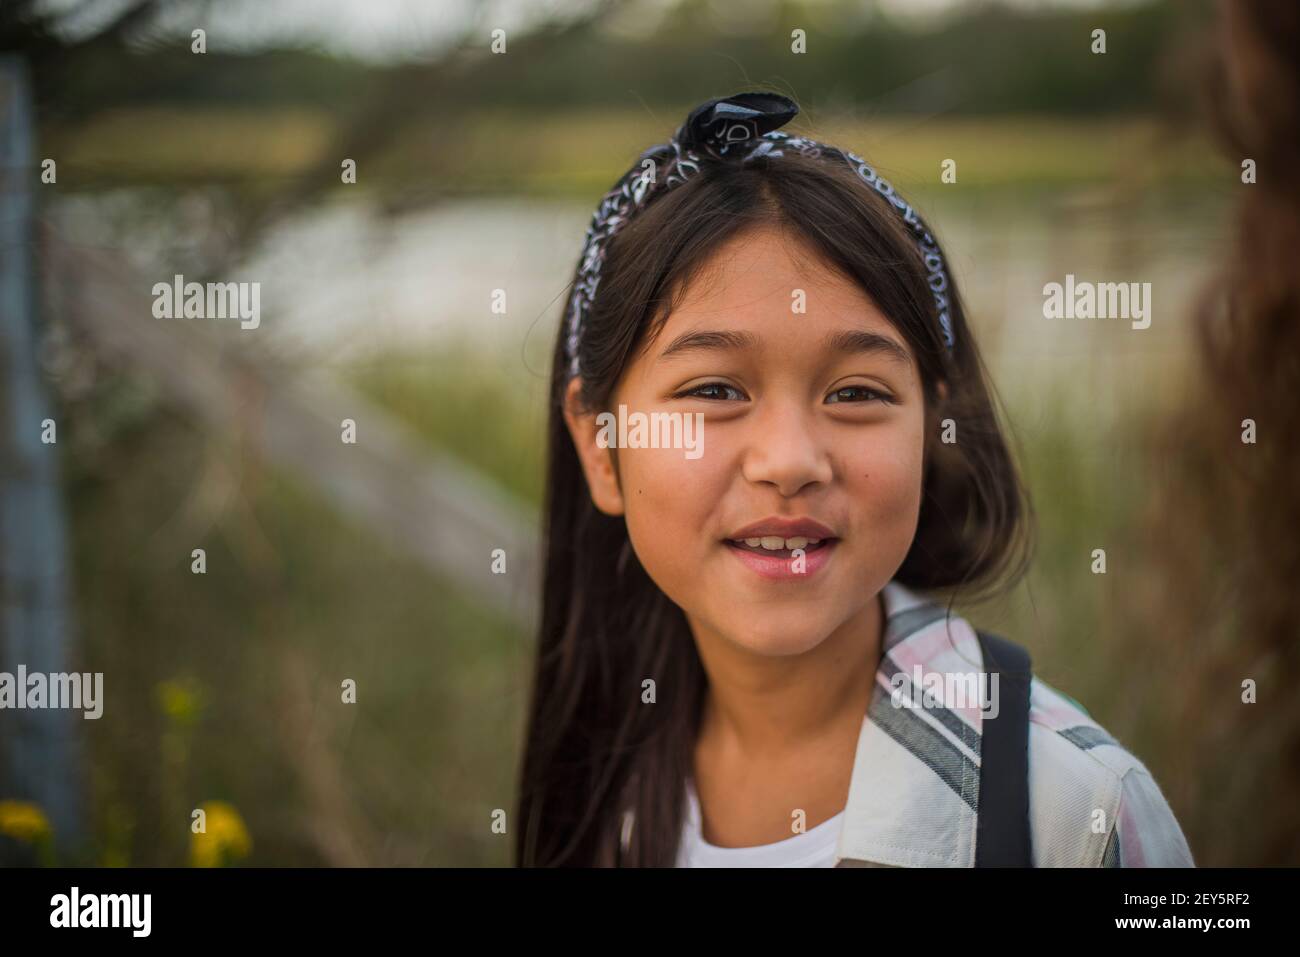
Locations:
(786, 450)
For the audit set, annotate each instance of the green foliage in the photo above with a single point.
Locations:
(295, 599)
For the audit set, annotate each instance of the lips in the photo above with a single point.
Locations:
(783, 548)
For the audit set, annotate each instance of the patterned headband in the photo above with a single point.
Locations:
(743, 125)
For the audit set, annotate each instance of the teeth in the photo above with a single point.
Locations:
(775, 543)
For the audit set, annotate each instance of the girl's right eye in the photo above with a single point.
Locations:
(699, 391)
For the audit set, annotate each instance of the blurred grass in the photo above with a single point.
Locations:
(295, 600)
(489, 418)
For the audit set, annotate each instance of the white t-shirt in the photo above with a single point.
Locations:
(815, 847)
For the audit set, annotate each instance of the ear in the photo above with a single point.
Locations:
(597, 463)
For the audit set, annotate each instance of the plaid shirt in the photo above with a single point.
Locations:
(914, 796)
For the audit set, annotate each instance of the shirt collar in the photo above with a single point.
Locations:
(914, 794)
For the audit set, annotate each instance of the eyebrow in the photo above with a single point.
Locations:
(847, 341)
(861, 342)
(705, 341)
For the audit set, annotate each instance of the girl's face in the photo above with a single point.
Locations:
(813, 426)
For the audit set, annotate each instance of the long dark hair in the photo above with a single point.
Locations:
(593, 751)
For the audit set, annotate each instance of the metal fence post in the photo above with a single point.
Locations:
(40, 747)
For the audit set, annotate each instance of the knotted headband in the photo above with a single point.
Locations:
(735, 128)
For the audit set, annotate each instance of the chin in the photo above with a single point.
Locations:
(766, 637)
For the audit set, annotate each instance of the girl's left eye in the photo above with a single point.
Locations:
(699, 391)
(868, 395)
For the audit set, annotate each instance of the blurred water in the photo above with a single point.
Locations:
(345, 283)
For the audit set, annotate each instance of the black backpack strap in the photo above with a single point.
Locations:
(1002, 836)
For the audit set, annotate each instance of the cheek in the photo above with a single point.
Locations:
(883, 477)
(669, 501)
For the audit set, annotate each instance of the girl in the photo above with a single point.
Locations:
(734, 641)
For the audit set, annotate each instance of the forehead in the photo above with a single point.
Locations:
(770, 282)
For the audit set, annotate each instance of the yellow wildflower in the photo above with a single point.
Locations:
(224, 839)
(24, 821)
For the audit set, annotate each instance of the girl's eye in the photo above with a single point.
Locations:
(709, 387)
(848, 393)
